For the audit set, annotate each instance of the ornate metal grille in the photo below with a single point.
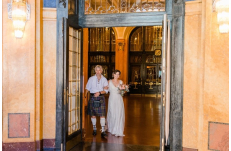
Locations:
(123, 6)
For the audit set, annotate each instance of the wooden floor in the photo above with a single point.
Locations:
(142, 123)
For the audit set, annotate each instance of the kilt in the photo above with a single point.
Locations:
(96, 111)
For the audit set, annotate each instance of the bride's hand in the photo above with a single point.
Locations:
(105, 88)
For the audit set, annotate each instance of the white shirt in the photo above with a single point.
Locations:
(93, 85)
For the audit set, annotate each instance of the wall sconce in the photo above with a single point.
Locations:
(222, 8)
(19, 13)
(121, 46)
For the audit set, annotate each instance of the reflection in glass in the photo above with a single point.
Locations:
(100, 39)
(136, 40)
(153, 38)
(113, 42)
(102, 45)
(150, 59)
(135, 76)
(159, 75)
(136, 59)
(99, 58)
(123, 6)
(151, 74)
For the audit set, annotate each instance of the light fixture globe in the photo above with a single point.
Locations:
(19, 13)
(222, 8)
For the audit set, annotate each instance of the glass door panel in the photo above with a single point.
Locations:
(74, 80)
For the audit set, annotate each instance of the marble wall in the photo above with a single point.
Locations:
(29, 80)
(18, 69)
(206, 72)
(49, 72)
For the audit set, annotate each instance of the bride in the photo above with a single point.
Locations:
(115, 114)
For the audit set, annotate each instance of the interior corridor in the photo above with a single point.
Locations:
(142, 127)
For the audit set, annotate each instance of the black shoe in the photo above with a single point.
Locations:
(103, 135)
(94, 133)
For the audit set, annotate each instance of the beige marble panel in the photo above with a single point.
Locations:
(18, 72)
(193, 7)
(210, 73)
(49, 73)
(216, 98)
(191, 80)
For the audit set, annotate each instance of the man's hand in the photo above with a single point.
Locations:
(96, 94)
(105, 88)
(86, 94)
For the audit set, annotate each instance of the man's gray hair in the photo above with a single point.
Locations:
(99, 67)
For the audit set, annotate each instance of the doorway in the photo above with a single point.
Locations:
(138, 109)
(131, 19)
(145, 47)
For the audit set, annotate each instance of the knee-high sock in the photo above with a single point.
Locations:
(102, 122)
(93, 120)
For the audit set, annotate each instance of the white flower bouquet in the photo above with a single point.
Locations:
(122, 88)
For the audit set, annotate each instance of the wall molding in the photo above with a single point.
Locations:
(49, 14)
(44, 144)
(189, 149)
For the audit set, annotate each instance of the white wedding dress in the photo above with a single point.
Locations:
(115, 114)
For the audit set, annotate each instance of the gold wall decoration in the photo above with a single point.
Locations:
(121, 46)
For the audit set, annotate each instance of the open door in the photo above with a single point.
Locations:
(165, 86)
(72, 101)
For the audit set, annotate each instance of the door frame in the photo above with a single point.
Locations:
(175, 9)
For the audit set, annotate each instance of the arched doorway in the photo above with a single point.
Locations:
(145, 44)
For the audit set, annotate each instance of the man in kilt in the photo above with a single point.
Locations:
(96, 103)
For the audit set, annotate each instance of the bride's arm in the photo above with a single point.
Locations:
(121, 82)
(107, 87)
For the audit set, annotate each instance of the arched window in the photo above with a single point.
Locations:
(102, 50)
(145, 45)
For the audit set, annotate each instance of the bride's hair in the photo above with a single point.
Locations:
(114, 72)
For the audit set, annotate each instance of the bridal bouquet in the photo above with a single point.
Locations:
(122, 88)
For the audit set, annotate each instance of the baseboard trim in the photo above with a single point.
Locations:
(189, 149)
(45, 144)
